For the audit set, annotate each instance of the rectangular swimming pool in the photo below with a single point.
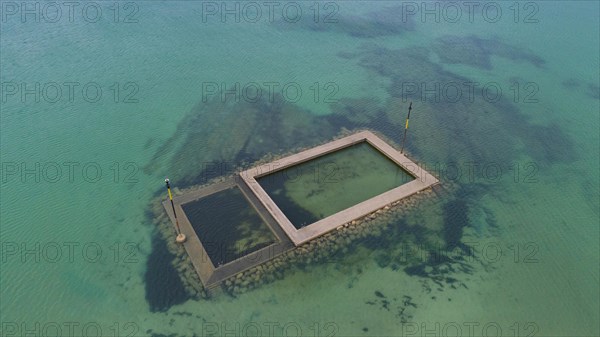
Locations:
(227, 225)
(315, 189)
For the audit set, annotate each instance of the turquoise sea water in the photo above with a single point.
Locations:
(79, 171)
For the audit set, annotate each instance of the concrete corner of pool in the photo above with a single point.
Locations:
(270, 209)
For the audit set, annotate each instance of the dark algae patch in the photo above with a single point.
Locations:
(163, 285)
(552, 145)
(477, 52)
(467, 127)
(387, 21)
(591, 90)
(218, 136)
(456, 217)
(400, 306)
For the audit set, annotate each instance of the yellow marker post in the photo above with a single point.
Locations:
(406, 127)
(180, 236)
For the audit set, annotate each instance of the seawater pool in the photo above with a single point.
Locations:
(227, 225)
(315, 189)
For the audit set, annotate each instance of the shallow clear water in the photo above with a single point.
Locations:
(323, 186)
(82, 247)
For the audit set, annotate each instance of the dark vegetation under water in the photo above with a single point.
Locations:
(163, 285)
(388, 21)
(216, 137)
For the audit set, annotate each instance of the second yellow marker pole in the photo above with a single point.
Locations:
(406, 127)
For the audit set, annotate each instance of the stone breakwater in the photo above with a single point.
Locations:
(327, 248)
(323, 249)
(181, 262)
